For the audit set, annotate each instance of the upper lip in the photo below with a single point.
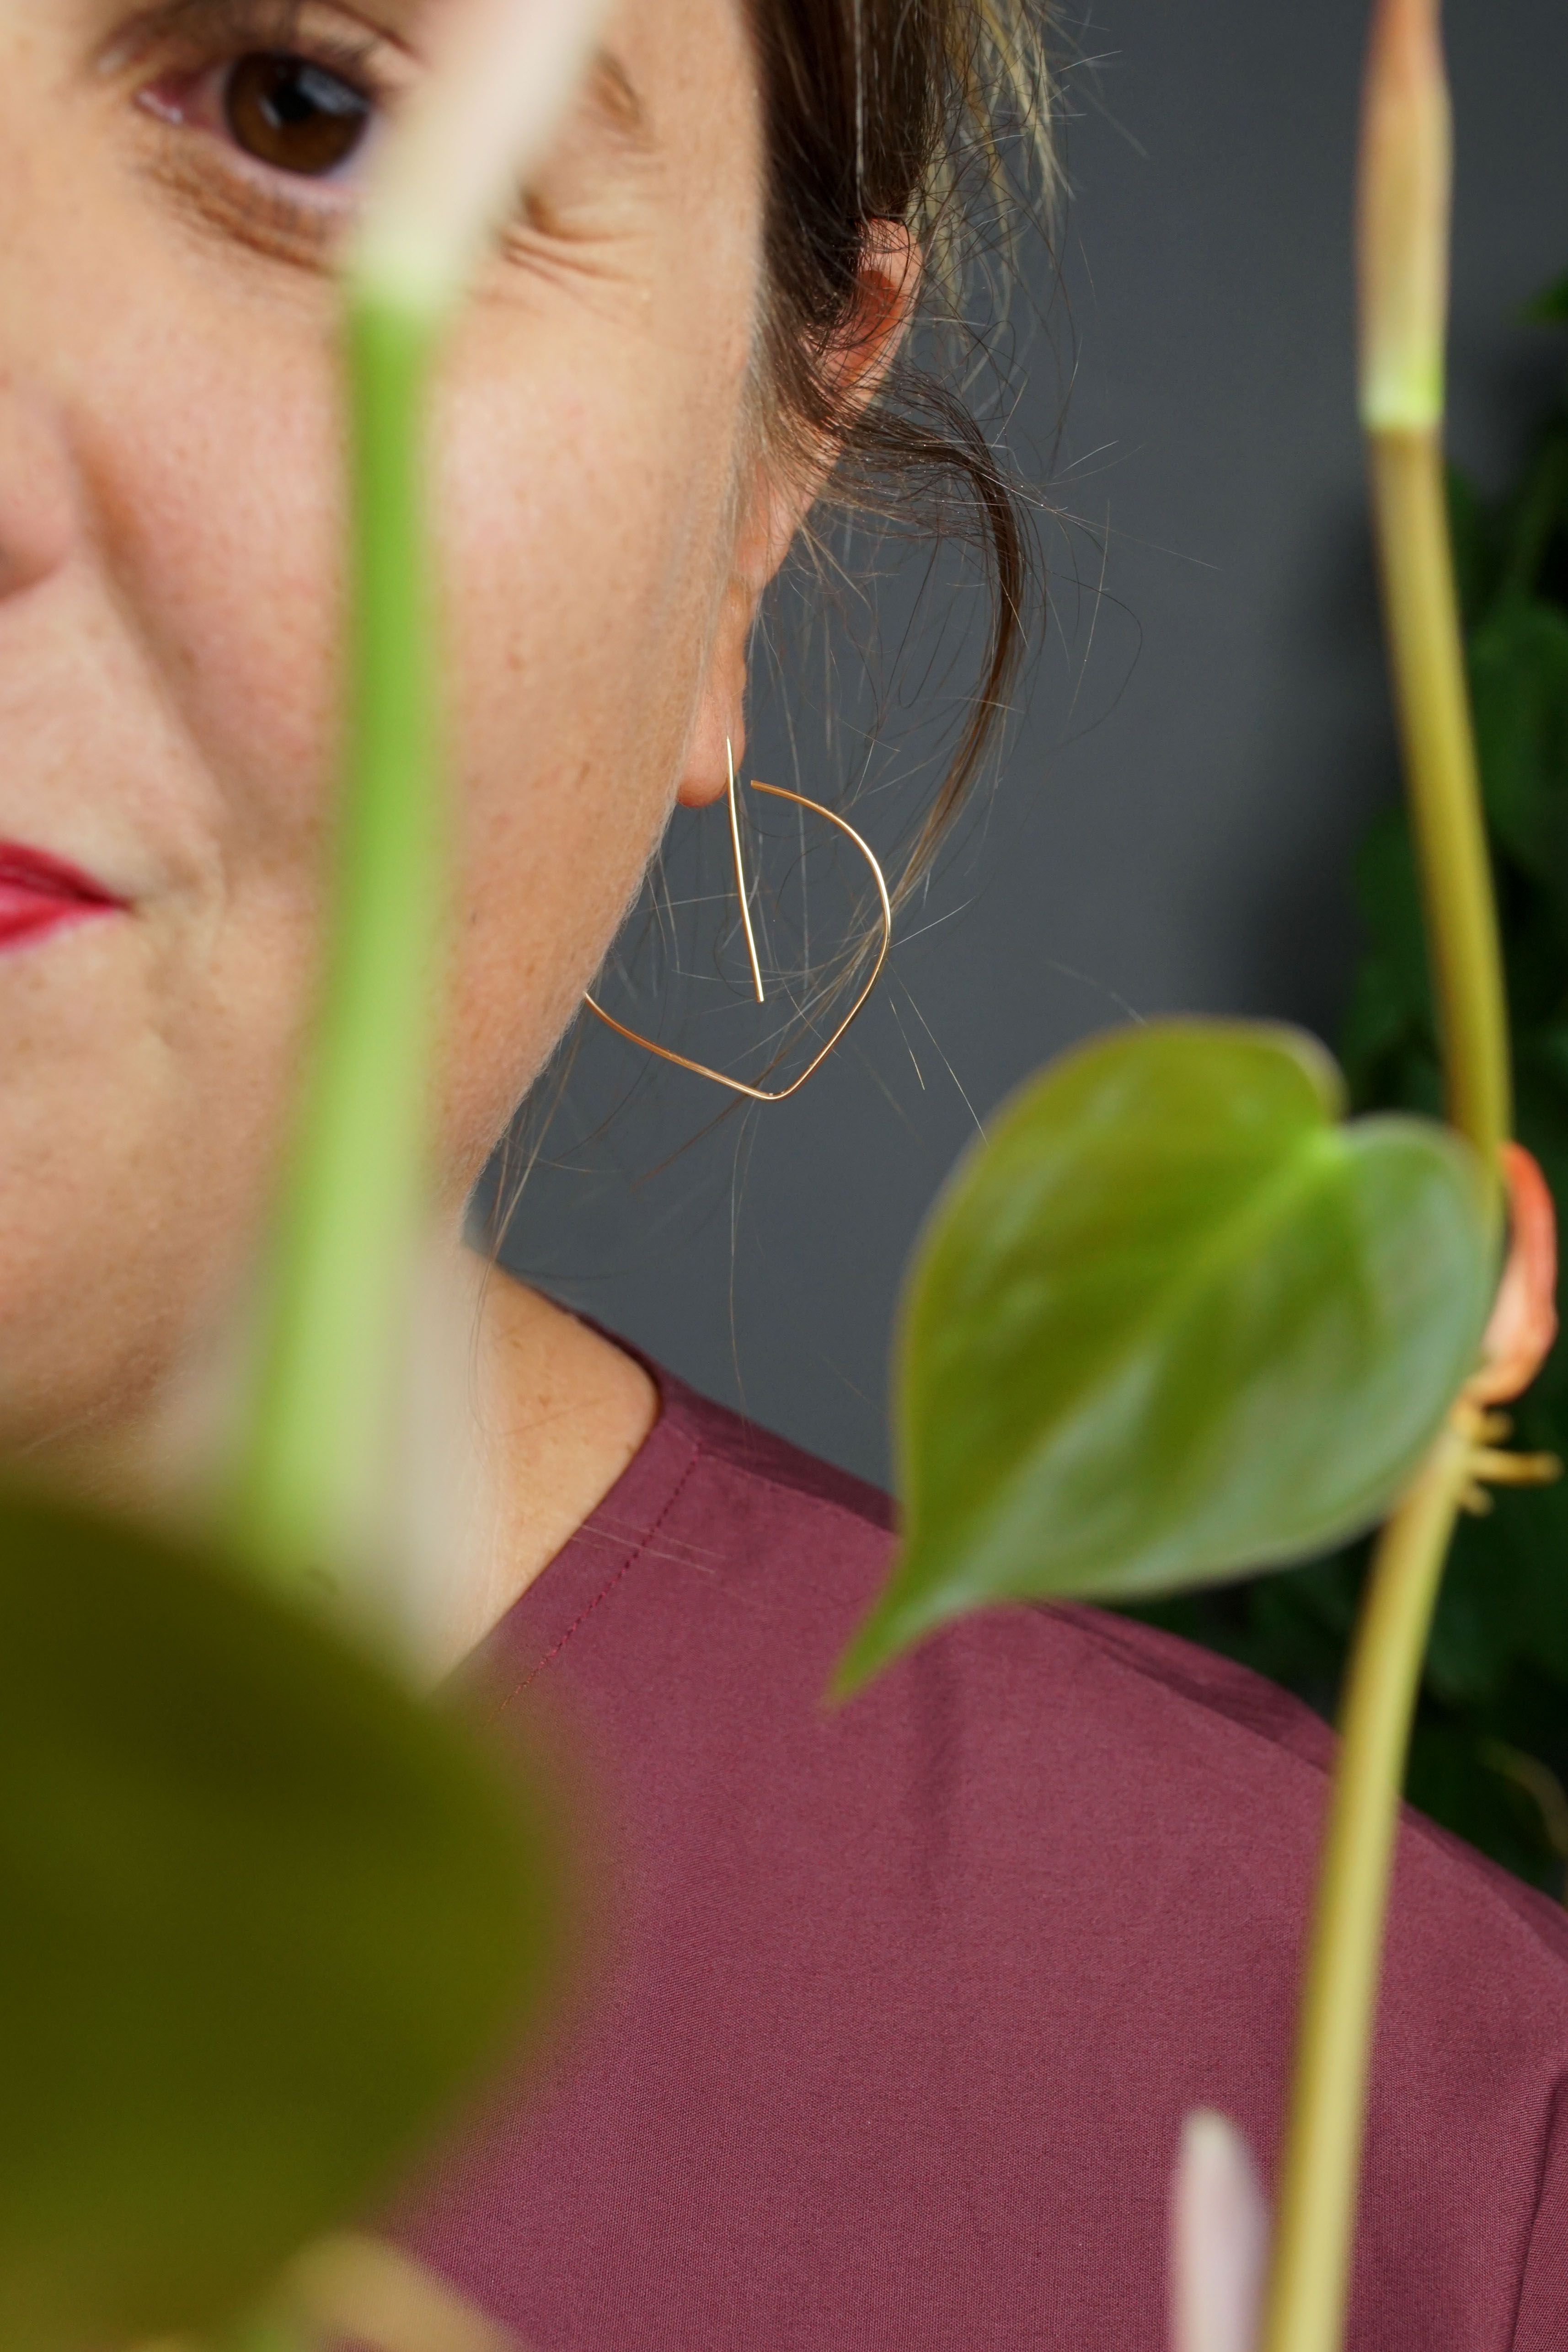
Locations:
(23, 867)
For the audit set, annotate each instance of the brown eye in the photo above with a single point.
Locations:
(294, 116)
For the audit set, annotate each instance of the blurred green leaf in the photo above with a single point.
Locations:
(1473, 532)
(1550, 307)
(1525, 526)
(1390, 1012)
(1519, 679)
(265, 1914)
(1451, 1776)
(1171, 1322)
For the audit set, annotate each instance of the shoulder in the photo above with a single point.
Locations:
(1074, 1740)
(1051, 1848)
(741, 1461)
(796, 1549)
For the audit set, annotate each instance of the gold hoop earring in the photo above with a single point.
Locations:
(739, 1085)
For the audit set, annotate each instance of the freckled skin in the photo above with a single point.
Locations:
(170, 574)
(169, 514)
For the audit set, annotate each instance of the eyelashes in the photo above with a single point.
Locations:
(265, 108)
(260, 115)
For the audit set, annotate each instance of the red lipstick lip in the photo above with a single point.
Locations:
(38, 892)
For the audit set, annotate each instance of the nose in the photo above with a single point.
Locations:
(37, 493)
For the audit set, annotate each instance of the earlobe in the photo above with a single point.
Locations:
(720, 721)
(774, 515)
(704, 780)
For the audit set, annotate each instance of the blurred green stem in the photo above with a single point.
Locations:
(1427, 658)
(1310, 2272)
(351, 1216)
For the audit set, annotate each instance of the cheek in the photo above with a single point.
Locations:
(223, 512)
(585, 457)
(221, 507)
(587, 507)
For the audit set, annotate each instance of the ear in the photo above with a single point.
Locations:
(775, 501)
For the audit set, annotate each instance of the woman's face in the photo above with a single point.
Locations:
(173, 182)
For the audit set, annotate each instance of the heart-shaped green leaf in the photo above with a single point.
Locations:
(1172, 1321)
(263, 1913)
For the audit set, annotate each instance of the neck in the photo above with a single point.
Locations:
(519, 1420)
(555, 1414)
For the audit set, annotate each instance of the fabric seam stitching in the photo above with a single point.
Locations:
(633, 1557)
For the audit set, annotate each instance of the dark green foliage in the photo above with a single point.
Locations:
(1490, 1758)
(1171, 1318)
(263, 1913)
(1552, 305)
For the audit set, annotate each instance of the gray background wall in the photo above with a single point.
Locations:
(1206, 730)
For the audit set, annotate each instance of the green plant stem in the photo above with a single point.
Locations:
(354, 1195)
(1427, 656)
(1310, 2274)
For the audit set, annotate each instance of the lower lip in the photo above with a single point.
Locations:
(39, 894)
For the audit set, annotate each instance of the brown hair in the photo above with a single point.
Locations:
(933, 114)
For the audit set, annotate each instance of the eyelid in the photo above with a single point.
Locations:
(189, 46)
(200, 29)
(178, 52)
(206, 39)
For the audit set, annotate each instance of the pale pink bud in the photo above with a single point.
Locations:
(1402, 228)
(1219, 2240)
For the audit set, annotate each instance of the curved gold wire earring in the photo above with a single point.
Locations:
(739, 1085)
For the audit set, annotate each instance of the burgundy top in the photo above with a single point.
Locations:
(912, 1998)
